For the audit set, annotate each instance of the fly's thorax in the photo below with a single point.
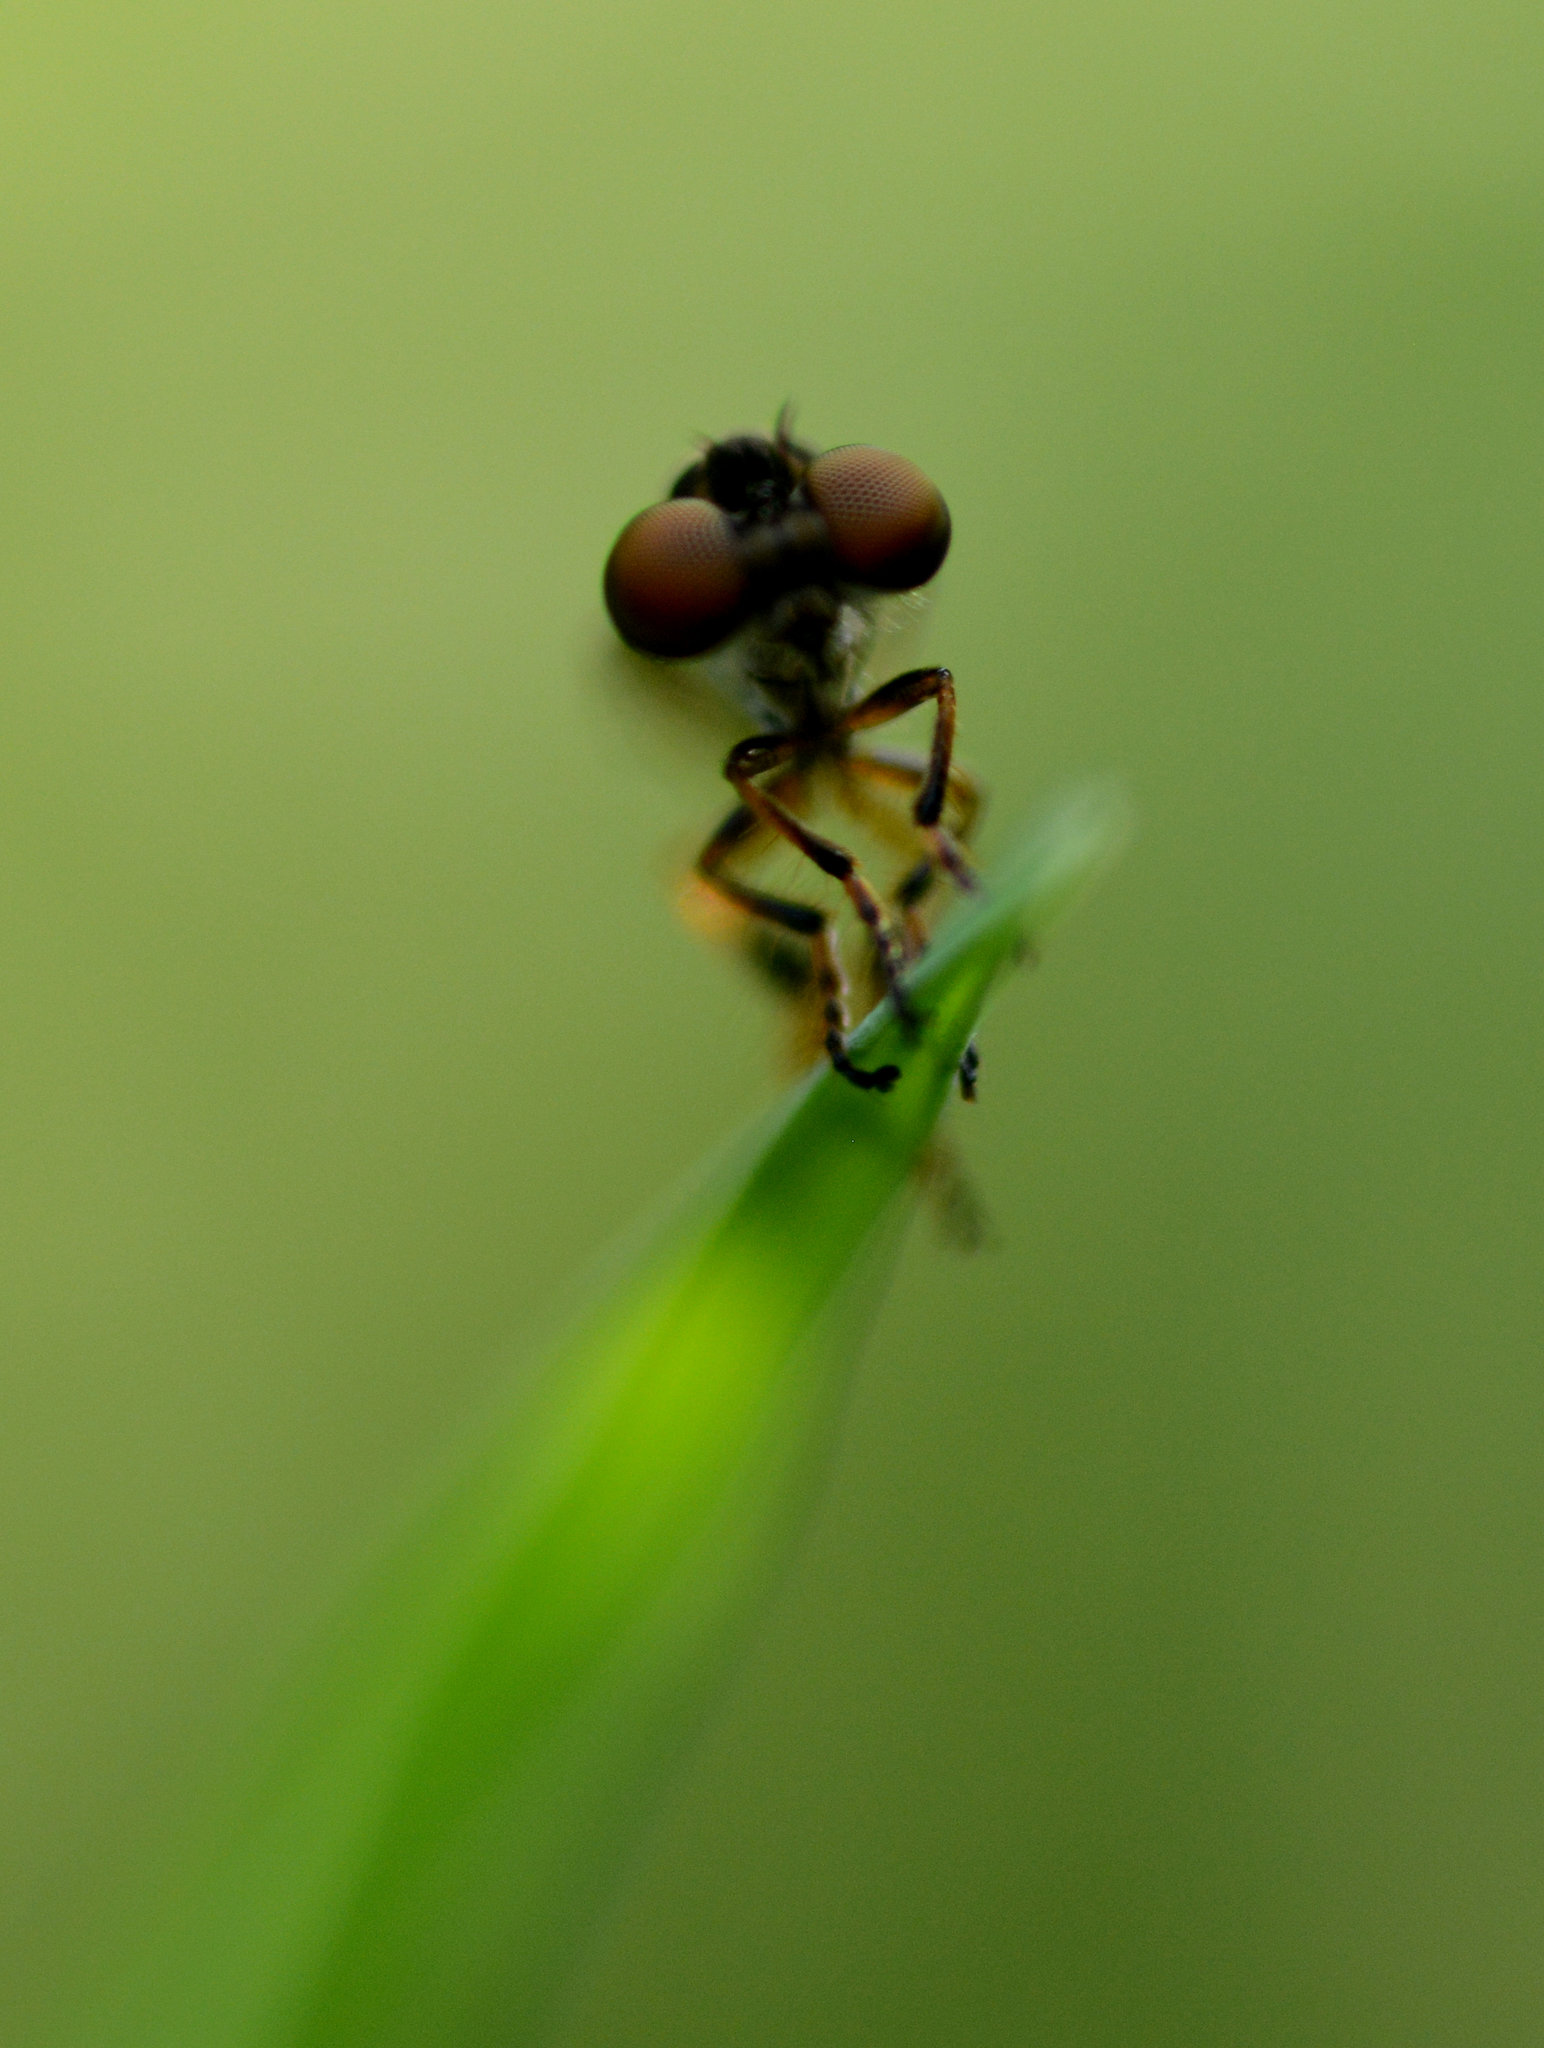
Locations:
(801, 638)
(803, 654)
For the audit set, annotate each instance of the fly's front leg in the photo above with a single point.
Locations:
(892, 700)
(905, 769)
(754, 757)
(744, 824)
(897, 768)
(934, 779)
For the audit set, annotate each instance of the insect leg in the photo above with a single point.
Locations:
(897, 768)
(903, 693)
(754, 757)
(744, 823)
(958, 1211)
(904, 770)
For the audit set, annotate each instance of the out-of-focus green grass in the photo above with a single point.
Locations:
(461, 1769)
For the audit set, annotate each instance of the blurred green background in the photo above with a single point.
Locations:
(1166, 1663)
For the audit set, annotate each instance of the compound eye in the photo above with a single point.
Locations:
(889, 526)
(675, 580)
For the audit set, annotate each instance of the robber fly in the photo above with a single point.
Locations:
(776, 559)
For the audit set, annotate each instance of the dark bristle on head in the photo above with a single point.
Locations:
(753, 479)
(750, 479)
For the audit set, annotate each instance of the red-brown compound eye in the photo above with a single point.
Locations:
(889, 527)
(675, 580)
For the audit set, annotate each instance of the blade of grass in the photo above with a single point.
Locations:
(461, 1773)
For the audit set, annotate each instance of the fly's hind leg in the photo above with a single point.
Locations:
(940, 778)
(755, 757)
(806, 922)
(895, 768)
(959, 1216)
(892, 768)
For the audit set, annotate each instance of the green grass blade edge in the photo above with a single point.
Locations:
(464, 1766)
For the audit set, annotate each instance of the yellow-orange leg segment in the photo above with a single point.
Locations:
(754, 757)
(892, 700)
(743, 825)
(910, 771)
(896, 768)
